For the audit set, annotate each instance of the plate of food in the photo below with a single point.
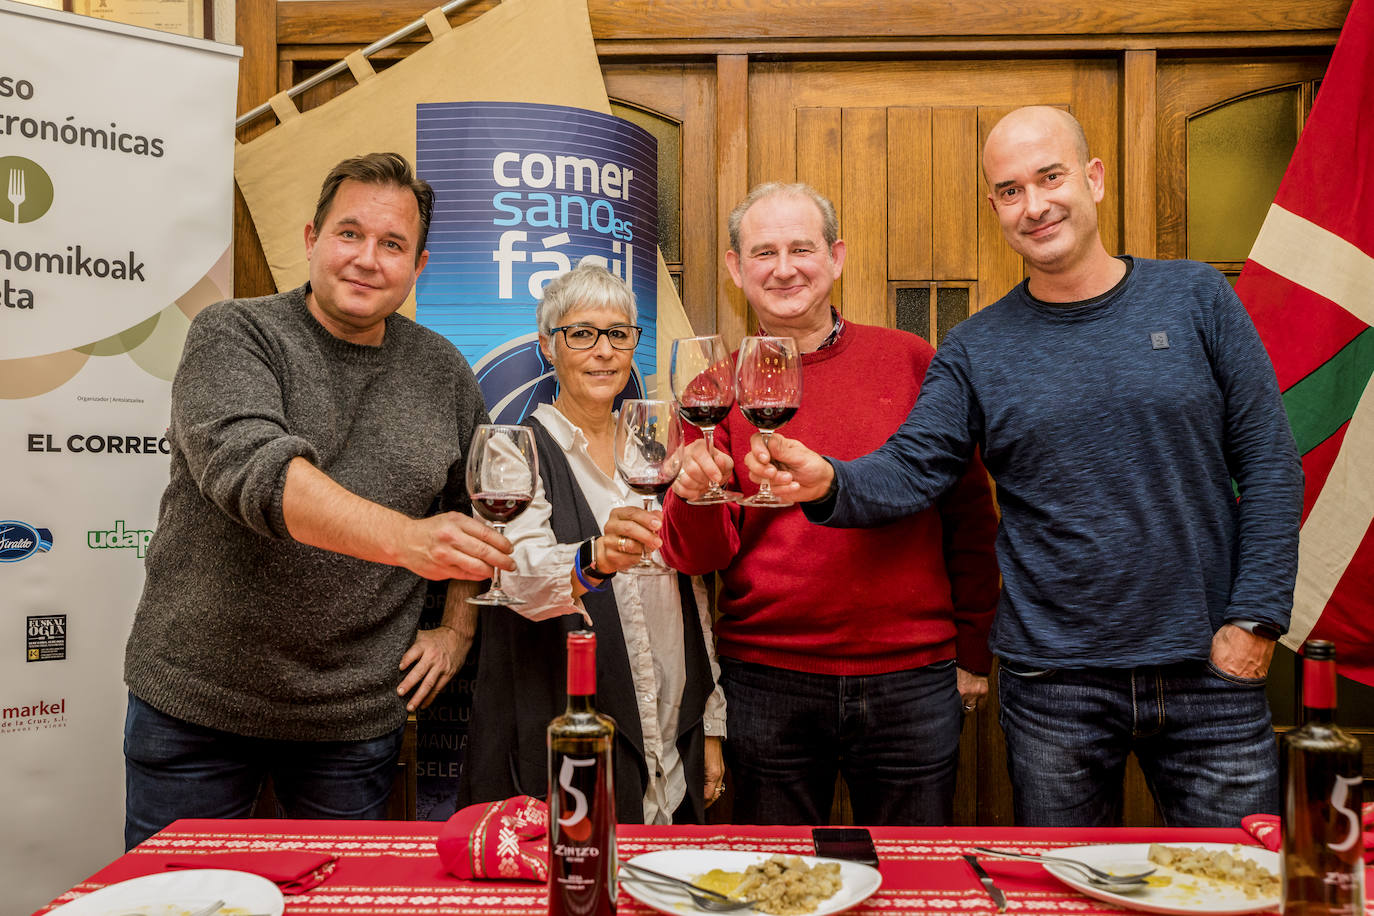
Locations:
(781, 885)
(1215, 878)
(181, 892)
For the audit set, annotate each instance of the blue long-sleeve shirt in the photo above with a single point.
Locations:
(1114, 429)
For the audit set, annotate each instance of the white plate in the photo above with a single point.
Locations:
(180, 892)
(858, 882)
(1184, 894)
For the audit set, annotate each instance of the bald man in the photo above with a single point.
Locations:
(1120, 404)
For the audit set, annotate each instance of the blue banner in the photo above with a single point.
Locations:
(524, 192)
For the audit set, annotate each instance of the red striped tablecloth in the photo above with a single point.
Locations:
(390, 868)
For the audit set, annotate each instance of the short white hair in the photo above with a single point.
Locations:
(586, 286)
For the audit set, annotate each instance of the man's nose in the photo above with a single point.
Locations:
(1036, 202)
(367, 253)
(784, 266)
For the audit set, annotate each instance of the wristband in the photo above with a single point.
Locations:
(584, 565)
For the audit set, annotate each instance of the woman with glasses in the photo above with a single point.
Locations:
(655, 664)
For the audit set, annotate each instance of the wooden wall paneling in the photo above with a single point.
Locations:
(358, 23)
(909, 190)
(254, 29)
(1095, 101)
(863, 219)
(702, 245)
(732, 182)
(999, 268)
(916, 83)
(956, 194)
(732, 19)
(1137, 171)
(772, 123)
(819, 164)
(994, 783)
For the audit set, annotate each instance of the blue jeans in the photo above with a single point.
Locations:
(174, 769)
(895, 737)
(1203, 739)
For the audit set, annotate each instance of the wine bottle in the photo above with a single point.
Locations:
(582, 863)
(1323, 843)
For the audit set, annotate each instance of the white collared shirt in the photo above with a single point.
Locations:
(648, 605)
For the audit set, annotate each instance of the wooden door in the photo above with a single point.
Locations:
(897, 146)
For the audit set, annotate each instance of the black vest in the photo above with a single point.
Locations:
(522, 678)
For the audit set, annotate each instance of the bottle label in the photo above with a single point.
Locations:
(581, 835)
(1341, 797)
(566, 775)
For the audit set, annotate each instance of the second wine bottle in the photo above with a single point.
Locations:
(582, 863)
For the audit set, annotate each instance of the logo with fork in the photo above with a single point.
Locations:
(28, 190)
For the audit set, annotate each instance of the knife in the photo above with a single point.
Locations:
(985, 879)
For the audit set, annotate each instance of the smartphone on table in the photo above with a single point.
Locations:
(852, 843)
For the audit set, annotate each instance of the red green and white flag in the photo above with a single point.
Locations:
(1309, 286)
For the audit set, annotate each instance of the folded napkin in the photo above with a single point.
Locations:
(1266, 828)
(504, 841)
(295, 871)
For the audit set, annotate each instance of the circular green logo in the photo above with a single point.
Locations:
(28, 190)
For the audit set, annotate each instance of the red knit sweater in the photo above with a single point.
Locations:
(846, 601)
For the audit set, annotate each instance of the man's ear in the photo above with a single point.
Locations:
(310, 239)
(837, 252)
(732, 264)
(1097, 179)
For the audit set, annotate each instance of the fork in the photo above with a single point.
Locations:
(16, 191)
(704, 898)
(1094, 875)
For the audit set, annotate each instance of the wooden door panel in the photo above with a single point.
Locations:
(818, 157)
(956, 194)
(910, 210)
(863, 220)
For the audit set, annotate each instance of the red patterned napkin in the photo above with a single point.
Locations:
(1266, 829)
(294, 871)
(504, 841)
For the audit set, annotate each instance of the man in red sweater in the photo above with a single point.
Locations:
(853, 651)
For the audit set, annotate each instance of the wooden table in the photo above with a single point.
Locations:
(390, 868)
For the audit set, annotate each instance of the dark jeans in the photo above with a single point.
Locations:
(895, 737)
(175, 769)
(1203, 739)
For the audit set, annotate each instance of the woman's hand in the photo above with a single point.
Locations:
(626, 536)
(715, 770)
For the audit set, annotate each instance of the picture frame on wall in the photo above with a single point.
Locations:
(192, 18)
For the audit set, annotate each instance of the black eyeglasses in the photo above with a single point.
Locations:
(585, 336)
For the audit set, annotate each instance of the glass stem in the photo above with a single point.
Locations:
(765, 488)
(644, 548)
(710, 431)
(499, 528)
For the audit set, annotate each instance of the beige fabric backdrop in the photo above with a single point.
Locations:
(521, 51)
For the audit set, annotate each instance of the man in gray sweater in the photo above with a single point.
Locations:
(318, 443)
(1116, 402)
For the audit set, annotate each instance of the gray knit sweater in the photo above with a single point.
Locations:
(241, 628)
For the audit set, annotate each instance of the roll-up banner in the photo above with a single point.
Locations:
(524, 192)
(116, 148)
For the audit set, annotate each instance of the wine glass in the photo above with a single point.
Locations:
(503, 467)
(648, 440)
(704, 384)
(769, 383)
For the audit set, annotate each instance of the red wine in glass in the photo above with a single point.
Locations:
(703, 381)
(502, 471)
(648, 439)
(768, 379)
(500, 507)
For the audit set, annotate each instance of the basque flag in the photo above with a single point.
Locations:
(1309, 286)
